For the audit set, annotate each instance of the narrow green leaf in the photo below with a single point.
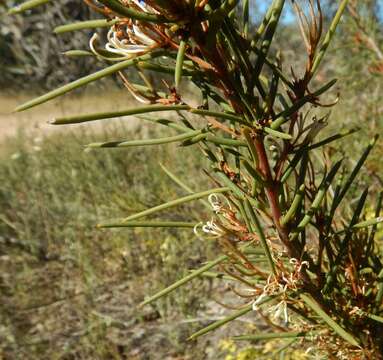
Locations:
(293, 164)
(191, 276)
(222, 322)
(176, 202)
(285, 347)
(371, 237)
(176, 179)
(87, 79)
(379, 295)
(78, 53)
(251, 146)
(219, 14)
(263, 25)
(275, 15)
(148, 224)
(353, 174)
(220, 115)
(254, 155)
(355, 217)
(294, 205)
(233, 187)
(214, 140)
(237, 190)
(224, 141)
(145, 142)
(76, 119)
(331, 139)
(283, 116)
(184, 280)
(257, 228)
(104, 53)
(164, 122)
(317, 200)
(246, 17)
(215, 275)
(268, 336)
(128, 12)
(277, 134)
(28, 5)
(163, 69)
(373, 317)
(330, 34)
(81, 25)
(180, 62)
(363, 224)
(274, 69)
(256, 176)
(228, 319)
(313, 305)
(181, 184)
(194, 140)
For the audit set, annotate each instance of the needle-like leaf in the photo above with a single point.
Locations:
(176, 202)
(86, 80)
(27, 5)
(313, 305)
(81, 25)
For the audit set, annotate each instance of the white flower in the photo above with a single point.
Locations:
(210, 228)
(259, 301)
(215, 203)
(298, 265)
(280, 311)
(131, 39)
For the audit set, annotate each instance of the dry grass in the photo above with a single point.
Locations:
(69, 291)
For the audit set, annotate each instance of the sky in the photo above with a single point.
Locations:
(288, 14)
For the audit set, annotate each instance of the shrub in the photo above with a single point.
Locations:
(297, 246)
(27, 54)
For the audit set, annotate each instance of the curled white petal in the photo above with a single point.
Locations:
(286, 314)
(92, 47)
(140, 35)
(214, 202)
(142, 99)
(280, 311)
(258, 301)
(135, 41)
(195, 229)
(212, 228)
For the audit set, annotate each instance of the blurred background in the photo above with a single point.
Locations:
(68, 290)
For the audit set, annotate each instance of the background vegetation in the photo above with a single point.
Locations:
(68, 290)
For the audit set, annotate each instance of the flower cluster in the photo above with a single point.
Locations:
(129, 38)
(224, 223)
(279, 286)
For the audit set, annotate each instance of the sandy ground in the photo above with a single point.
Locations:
(36, 120)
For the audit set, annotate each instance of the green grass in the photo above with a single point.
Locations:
(69, 289)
